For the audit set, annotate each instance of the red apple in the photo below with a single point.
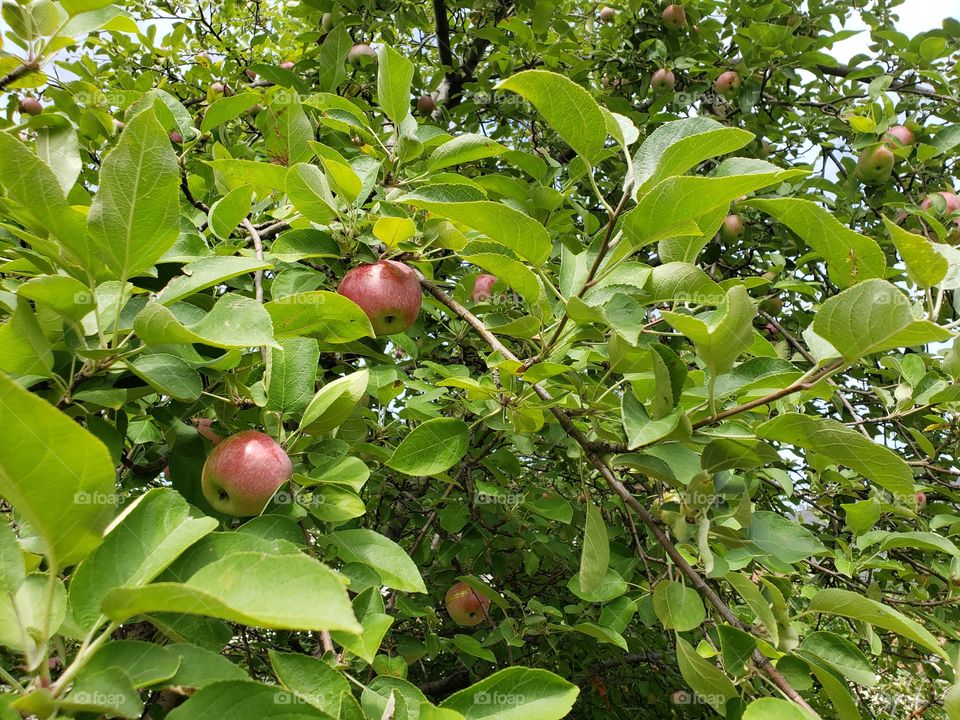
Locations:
(674, 17)
(898, 136)
(483, 288)
(951, 200)
(466, 606)
(387, 291)
(663, 80)
(360, 52)
(176, 137)
(425, 105)
(921, 499)
(732, 229)
(607, 14)
(875, 165)
(727, 84)
(30, 106)
(243, 472)
(287, 65)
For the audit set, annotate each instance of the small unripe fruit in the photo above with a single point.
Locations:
(30, 106)
(898, 136)
(483, 288)
(176, 137)
(425, 105)
(358, 53)
(218, 88)
(251, 74)
(769, 275)
(921, 499)
(772, 306)
(674, 17)
(287, 65)
(466, 606)
(388, 292)
(607, 14)
(875, 165)
(243, 472)
(327, 22)
(732, 229)
(663, 80)
(727, 84)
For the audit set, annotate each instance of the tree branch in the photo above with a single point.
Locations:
(19, 72)
(702, 586)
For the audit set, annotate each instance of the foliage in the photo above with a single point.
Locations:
(695, 473)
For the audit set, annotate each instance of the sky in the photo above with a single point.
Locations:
(916, 16)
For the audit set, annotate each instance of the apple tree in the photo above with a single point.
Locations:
(453, 360)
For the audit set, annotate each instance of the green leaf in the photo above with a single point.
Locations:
(234, 321)
(59, 148)
(722, 335)
(144, 663)
(54, 473)
(24, 350)
(776, 709)
(135, 216)
(12, 568)
(284, 592)
(69, 297)
(432, 447)
(517, 693)
(310, 193)
(463, 149)
(704, 678)
(501, 223)
(612, 587)
(207, 272)
(677, 146)
(152, 532)
(872, 317)
(367, 643)
(394, 230)
(595, 556)
(286, 129)
(245, 700)
(311, 679)
(230, 210)
(844, 446)
(393, 565)
(238, 173)
(169, 375)
(200, 667)
(75, 7)
(851, 257)
(844, 603)
(782, 538)
(677, 606)
(840, 654)
(343, 179)
(292, 375)
(925, 266)
(334, 403)
(513, 273)
(23, 614)
(640, 429)
(226, 109)
(567, 108)
(108, 692)
(321, 314)
(330, 62)
(394, 75)
(757, 603)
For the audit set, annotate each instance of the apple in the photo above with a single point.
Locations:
(30, 106)
(727, 84)
(466, 606)
(663, 80)
(243, 472)
(674, 17)
(176, 137)
(921, 499)
(387, 291)
(772, 306)
(951, 200)
(732, 229)
(327, 22)
(218, 88)
(607, 14)
(359, 53)
(875, 165)
(898, 136)
(425, 105)
(287, 65)
(483, 288)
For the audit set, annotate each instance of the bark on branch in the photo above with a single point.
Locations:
(19, 72)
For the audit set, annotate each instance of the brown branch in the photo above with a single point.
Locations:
(19, 72)
(702, 586)
(443, 34)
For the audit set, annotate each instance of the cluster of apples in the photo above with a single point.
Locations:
(875, 164)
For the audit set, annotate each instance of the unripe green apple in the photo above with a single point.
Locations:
(466, 606)
(360, 53)
(732, 229)
(727, 84)
(875, 165)
(772, 306)
(30, 106)
(674, 17)
(243, 472)
(387, 291)
(663, 81)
